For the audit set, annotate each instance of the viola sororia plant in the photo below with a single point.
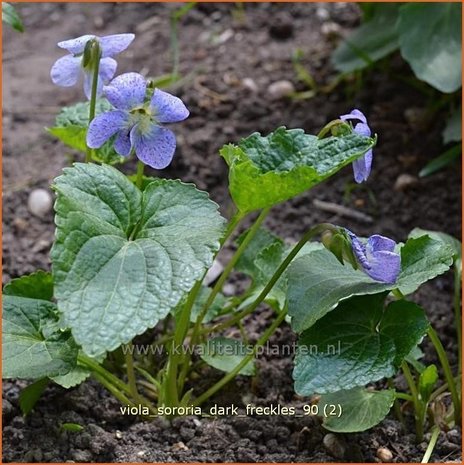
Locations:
(133, 251)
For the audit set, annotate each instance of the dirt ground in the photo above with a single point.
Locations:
(230, 57)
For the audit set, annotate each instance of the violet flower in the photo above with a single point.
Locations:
(67, 70)
(377, 257)
(361, 166)
(135, 121)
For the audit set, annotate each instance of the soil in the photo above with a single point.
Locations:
(220, 46)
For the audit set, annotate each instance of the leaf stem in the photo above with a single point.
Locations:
(231, 375)
(432, 443)
(139, 177)
(447, 372)
(128, 351)
(93, 98)
(416, 401)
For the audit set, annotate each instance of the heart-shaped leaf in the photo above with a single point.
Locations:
(430, 41)
(360, 409)
(267, 170)
(33, 344)
(317, 281)
(124, 258)
(373, 40)
(356, 344)
(37, 285)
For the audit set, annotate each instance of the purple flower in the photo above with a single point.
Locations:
(377, 257)
(361, 166)
(66, 70)
(135, 122)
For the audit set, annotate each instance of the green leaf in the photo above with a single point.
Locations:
(356, 344)
(430, 41)
(413, 359)
(215, 309)
(225, 354)
(373, 40)
(123, 259)
(317, 281)
(361, 409)
(264, 171)
(37, 285)
(452, 131)
(11, 17)
(29, 396)
(75, 377)
(427, 381)
(71, 129)
(33, 344)
(446, 158)
(422, 258)
(448, 240)
(72, 427)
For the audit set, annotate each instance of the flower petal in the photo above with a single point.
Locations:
(126, 91)
(105, 73)
(359, 251)
(65, 72)
(376, 243)
(116, 43)
(355, 114)
(167, 108)
(76, 46)
(362, 129)
(107, 69)
(155, 148)
(104, 126)
(122, 143)
(362, 167)
(385, 266)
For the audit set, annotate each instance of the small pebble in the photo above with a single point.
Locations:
(404, 182)
(118, 434)
(141, 453)
(40, 202)
(384, 454)
(334, 446)
(228, 289)
(250, 85)
(213, 273)
(179, 446)
(331, 30)
(280, 89)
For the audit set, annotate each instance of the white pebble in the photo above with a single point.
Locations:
(280, 89)
(384, 454)
(405, 181)
(213, 273)
(40, 202)
(250, 85)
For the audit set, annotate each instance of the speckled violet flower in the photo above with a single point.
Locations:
(135, 121)
(361, 166)
(377, 257)
(67, 70)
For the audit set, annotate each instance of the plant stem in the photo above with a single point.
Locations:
(231, 375)
(432, 443)
(112, 389)
(140, 171)
(415, 398)
(234, 222)
(97, 368)
(171, 390)
(93, 100)
(447, 372)
(129, 348)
